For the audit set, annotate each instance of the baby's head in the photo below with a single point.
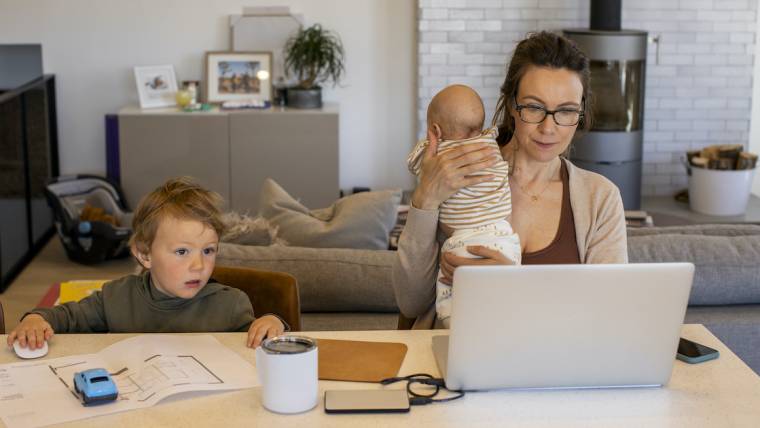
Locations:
(456, 113)
(176, 230)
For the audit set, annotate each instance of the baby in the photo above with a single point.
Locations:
(477, 214)
(176, 237)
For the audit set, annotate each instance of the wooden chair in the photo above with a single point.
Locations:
(405, 323)
(270, 292)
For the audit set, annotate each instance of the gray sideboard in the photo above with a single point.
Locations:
(232, 152)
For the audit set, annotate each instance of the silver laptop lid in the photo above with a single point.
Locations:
(566, 326)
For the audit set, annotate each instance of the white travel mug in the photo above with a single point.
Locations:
(287, 367)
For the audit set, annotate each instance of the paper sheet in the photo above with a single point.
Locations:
(146, 370)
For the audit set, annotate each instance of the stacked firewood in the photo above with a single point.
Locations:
(722, 156)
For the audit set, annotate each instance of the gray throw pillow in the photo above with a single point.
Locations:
(362, 220)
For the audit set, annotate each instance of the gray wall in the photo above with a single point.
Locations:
(698, 94)
(19, 64)
(93, 45)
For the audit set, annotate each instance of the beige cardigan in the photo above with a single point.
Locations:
(599, 229)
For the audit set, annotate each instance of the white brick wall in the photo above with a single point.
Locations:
(696, 95)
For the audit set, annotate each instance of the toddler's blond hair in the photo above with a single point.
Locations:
(181, 198)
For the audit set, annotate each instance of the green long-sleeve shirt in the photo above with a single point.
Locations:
(132, 304)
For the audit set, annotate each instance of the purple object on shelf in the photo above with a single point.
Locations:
(113, 171)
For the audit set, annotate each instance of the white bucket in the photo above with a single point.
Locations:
(717, 192)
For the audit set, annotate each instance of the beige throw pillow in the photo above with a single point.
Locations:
(363, 220)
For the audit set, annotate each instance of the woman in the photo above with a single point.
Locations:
(563, 214)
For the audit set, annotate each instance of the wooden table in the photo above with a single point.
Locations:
(722, 392)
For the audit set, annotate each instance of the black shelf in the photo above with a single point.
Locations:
(28, 159)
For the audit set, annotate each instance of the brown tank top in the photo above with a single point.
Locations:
(564, 248)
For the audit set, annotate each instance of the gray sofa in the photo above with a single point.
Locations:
(725, 295)
(340, 289)
(348, 289)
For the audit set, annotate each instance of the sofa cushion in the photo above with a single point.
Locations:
(363, 220)
(726, 259)
(742, 339)
(340, 321)
(724, 315)
(329, 279)
(735, 325)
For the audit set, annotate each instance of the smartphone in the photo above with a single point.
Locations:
(692, 352)
(367, 401)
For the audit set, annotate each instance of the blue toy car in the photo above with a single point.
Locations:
(95, 386)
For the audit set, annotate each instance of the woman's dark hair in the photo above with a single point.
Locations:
(543, 49)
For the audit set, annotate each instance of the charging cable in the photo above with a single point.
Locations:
(419, 399)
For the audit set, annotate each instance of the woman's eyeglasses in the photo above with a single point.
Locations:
(537, 114)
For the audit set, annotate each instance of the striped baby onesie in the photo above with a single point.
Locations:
(477, 205)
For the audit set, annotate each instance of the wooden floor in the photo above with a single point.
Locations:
(50, 266)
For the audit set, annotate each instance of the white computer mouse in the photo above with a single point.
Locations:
(27, 353)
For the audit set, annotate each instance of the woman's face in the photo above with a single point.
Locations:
(552, 89)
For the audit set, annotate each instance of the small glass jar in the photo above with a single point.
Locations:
(184, 98)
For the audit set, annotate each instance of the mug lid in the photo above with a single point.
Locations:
(288, 345)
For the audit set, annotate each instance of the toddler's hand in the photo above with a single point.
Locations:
(32, 331)
(266, 326)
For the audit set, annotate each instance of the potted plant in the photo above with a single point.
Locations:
(315, 56)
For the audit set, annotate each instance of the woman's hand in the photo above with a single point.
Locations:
(487, 257)
(442, 175)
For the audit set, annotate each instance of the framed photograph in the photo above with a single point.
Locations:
(156, 86)
(238, 76)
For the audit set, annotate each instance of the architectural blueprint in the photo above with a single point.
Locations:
(146, 369)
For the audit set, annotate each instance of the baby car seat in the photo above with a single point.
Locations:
(91, 217)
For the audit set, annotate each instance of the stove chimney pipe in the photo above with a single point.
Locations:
(605, 15)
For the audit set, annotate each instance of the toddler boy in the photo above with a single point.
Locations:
(176, 231)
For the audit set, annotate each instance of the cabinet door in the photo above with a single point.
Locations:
(42, 165)
(14, 227)
(155, 147)
(299, 150)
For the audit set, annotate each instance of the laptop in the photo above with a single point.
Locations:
(564, 326)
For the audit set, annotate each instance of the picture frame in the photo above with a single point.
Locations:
(156, 86)
(238, 76)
